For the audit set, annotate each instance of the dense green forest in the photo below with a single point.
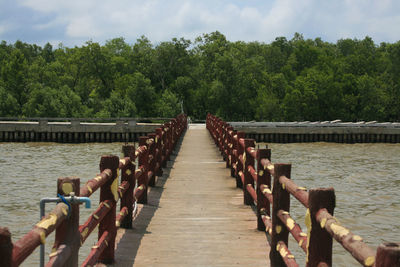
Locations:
(286, 80)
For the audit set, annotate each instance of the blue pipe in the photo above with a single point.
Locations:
(70, 200)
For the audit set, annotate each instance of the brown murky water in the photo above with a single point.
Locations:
(366, 178)
(29, 172)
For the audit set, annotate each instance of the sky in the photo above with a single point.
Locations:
(73, 22)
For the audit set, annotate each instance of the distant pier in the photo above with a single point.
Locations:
(326, 131)
(67, 130)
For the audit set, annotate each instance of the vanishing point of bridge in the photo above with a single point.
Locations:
(195, 215)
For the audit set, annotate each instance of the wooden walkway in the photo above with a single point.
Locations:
(195, 215)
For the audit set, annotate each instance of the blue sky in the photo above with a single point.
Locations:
(73, 22)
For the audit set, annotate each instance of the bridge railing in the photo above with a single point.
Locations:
(253, 171)
(152, 154)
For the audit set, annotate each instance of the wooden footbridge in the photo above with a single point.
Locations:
(180, 206)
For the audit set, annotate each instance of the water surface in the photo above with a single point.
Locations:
(366, 178)
(29, 172)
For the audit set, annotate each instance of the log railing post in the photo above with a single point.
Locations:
(228, 144)
(152, 158)
(6, 247)
(387, 255)
(129, 151)
(263, 177)
(221, 139)
(68, 232)
(143, 161)
(158, 140)
(239, 165)
(109, 191)
(233, 158)
(216, 130)
(128, 174)
(167, 142)
(127, 200)
(319, 240)
(164, 147)
(248, 179)
(173, 135)
(281, 201)
(225, 141)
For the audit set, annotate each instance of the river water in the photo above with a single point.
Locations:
(29, 172)
(366, 178)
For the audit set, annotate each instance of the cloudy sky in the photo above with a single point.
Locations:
(73, 22)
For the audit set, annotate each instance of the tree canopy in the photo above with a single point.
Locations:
(285, 80)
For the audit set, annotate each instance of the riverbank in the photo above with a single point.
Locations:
(74, 131)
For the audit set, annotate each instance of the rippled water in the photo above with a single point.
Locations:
(29, 172)
(366, 178)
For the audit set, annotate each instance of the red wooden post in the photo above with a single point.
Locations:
(143, 161)
(248, 179)
(216, 131)
(264, 177)
(129, 151)
(319, 240)
(172, 134)
(221, 136)
(233, 158)
(226, 143)
(387, 255)
(152, 159)
(222, 139)
(109, 191)
(167, 142)
(158, 140)
(239, 165)
(6, 247)
(68, 232)
(281, 201)
(127, 200)
(229, 146)
(164, 147)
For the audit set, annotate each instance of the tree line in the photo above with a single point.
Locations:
(285, 80)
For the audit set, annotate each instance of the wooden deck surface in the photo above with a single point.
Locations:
(195, 215)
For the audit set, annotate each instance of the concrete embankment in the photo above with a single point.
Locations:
(73, 131)
(327, 131)
(76, 131)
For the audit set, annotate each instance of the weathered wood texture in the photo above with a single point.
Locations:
(195, 215)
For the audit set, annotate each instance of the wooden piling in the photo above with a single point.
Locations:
(127, 200)
(143, 161)
(387, 255)
(264, 177)
(281, 201)
(248, 180)
(152, 159)
(109, 192)
(67, 234)
(159, 149)
(6, 247)
(319, 240)
(239, 165)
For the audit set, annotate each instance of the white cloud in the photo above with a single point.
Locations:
(238, 20)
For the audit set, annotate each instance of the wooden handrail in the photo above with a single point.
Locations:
(240, 152)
